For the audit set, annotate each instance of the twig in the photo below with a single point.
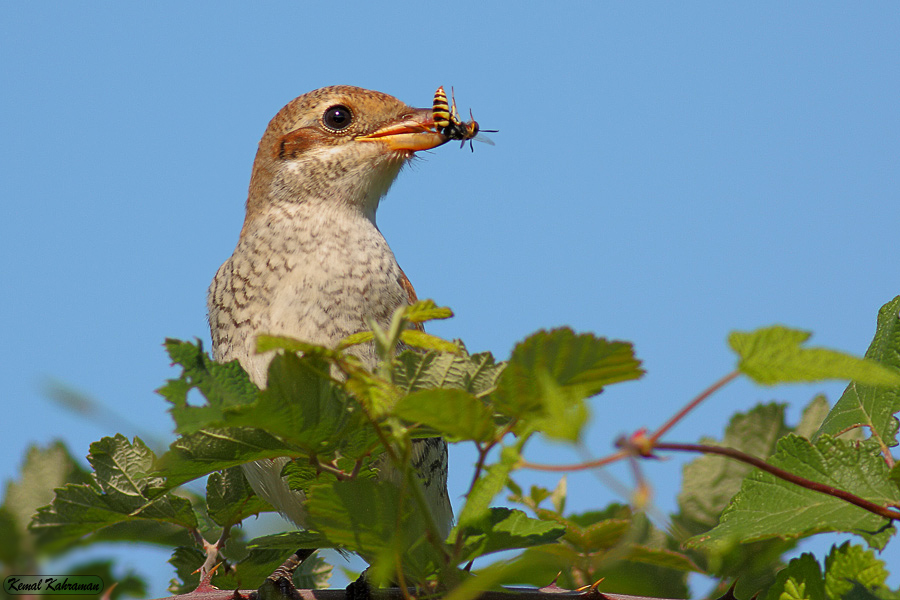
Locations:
(692, 405)
(762, 465)
(593, 464)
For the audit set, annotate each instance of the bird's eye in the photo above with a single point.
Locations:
(337, 118)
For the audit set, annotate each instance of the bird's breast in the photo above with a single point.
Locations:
(317, 281)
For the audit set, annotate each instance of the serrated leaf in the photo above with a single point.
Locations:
(142, 531)
(773, 355)
(506, 529)
(302, 412)
(767, 507)
(223, 385)
(579, 364)
(302, 474)
(426, 310)
(425, 341)
(618, 576)
(565, 413)
(476, 373)
(800, 580)
(661, 557)
(230, 499)
(289, 541)
(813, 416)
(119, 492)
(267, 343)
(538, 563)
(204, 452)
(42, 470)
(357, 338)
(357, 514)
(187, 561)
(303, 406)
(13, 533)
(598, 536)
(848, 564)
(249, 568)
(251, 571)
(870, 405)
(710, 481)
(362, 515)
(455, 414)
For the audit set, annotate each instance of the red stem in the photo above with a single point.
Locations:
(762, 465)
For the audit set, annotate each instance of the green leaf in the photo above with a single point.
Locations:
(357, 338)
(847, 565)
(617, 575)
(867, 404)
(302, 412)
(268, 343)
(119, 492)
(506, 529)
(476, 373)
(559, 495)
(223, 385)
(251, 571)
(142, 531)
(773, 355)
(710, 481)
(12, 550)
(187, 561)
(42, 470)
(248, 565)
(800, 580)
(661, 557)
(287, 542)
(769, 507)
(303, 406)
(564, 412)
(581, 365)
(488, 486)
(531, 563)
(204, 452)
(359, 515)
(813, 416)
(230, 499)
(602, 535)
(426, 310)
(303, 474)
(455, 414)
(425, 341)
(363, 515)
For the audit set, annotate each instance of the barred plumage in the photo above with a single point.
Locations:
(310, 262)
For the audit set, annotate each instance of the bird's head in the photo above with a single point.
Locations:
(338, 147)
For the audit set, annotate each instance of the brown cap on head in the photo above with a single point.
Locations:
(338, 130)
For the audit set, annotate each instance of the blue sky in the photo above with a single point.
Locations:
(664, 173)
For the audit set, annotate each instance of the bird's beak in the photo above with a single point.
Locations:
(412, 132)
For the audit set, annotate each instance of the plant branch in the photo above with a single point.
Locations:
(693, 404)
(593, 464)
(762, 465)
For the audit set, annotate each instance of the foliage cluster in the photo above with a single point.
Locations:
(744, 503)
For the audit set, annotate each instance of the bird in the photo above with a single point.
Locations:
(310, 261)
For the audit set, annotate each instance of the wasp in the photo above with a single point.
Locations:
(448, 123)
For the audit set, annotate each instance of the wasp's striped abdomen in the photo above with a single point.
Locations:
(447, 121)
